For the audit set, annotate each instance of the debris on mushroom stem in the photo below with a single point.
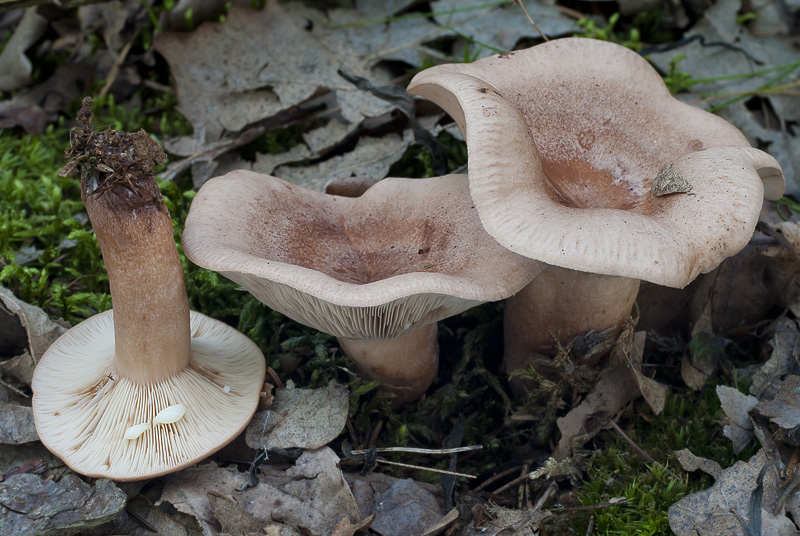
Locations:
(170, 414)
(132, 432)
(669, 182)
(114, 161)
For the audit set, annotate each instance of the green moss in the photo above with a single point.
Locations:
(689, 420)
(608, 33)
(49, 254)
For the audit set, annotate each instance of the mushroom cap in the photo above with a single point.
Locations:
(406, 253)
(82, 414)
(565, 140)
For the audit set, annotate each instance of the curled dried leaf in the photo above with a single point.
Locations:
(669, 182)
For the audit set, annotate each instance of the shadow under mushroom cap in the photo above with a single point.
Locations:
(406, 253)
(565, 140)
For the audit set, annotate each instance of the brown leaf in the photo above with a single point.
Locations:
(233, 518)
(654, 393)
(372, 157)
(690, 462)
(310, 496)
(300, 418)
(724, 509)
(346, 528)
(26, 332)
(615, 388)
(32, 505)
(31, 118)
(16, 424)
(493, 520)
(405, 509)
(443, 524)
(784, 341)
(226, 81)
(737, 406)
(187, 490)
(15, 67)
(784, 409)
(735, 292)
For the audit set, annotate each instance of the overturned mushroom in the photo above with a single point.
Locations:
(376, 271)
(140, 391)
(565, 140)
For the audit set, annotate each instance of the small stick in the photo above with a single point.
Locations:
(545, 496)
(499, 475)
(514, 482)
(15, 389)
(531, 20)
(420, 451)
(442, 471)
(114, 71)
(276, 381)
(636, 447)
(609, 504)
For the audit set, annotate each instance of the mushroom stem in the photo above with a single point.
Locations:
(405, 365)
(134, 231)
(558, 305)
(151, 309)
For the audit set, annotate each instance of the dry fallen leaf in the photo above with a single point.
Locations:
(372, 157)
(737, 406)
(226, 81)
(233, 518)
(31, 505)
(654, 393)
(690, 462)
(615, 388)
(405, 509)
(26, 332)
(15, 67)
(300, 418)
(735, 292)
(314, 500)
(500, 26)
(310, 497)
(493, 520)
(724, 509)
(722, 68)
(782, 361)
(16, 424)
(784, 409)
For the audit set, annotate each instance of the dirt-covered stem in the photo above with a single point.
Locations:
(134, 232)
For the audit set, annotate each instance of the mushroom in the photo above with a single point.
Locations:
(105, 393)
(376, 271)
(566, 142)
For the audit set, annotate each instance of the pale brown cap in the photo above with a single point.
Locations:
(565, 140)
(83, 408)
(406, 253)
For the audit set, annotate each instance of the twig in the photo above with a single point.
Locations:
(208, 154)
(498, 476)
(545, 496)
(514, 482)
(13, 388)
(519, 2)
(590, 527)
(114, 71)
(613, 502)
(420, 451)
(636, 447)
(276, 381)
(417, 467)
